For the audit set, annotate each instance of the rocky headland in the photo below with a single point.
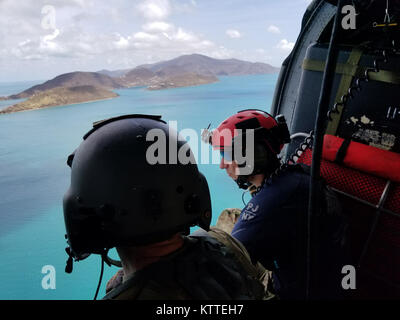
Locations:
(184, 71)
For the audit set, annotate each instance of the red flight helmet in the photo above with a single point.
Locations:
(270, 135)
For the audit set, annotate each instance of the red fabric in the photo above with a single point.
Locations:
(353, 182)
(375, 161)
(364, 174)
(393, 200)
(356, 183)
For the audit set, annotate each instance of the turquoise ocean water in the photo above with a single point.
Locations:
(34, 146)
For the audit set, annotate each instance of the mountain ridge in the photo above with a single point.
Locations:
(265, 68)
(71, 79)
(207, 65)
(182, 71)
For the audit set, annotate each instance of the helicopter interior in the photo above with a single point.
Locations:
(361, 149)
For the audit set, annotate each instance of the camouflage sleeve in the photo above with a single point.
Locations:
(257, 270)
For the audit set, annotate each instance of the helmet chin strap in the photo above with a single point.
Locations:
(113, 262)
(253, 190)
(243, 182)
(105, 259)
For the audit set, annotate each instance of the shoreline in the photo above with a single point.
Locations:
(61, 105)
(188, 86)
(145, 88)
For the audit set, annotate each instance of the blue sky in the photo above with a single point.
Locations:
(40, 39)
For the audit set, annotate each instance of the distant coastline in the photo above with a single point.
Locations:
(61, 105)
(61, 96)
(83, 87)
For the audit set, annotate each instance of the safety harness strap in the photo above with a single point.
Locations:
(349, 70)
(342, 151)
(344, 86)
(385, 76)
(353, 70)
(341, 68)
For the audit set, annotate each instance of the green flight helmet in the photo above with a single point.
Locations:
(118, 198)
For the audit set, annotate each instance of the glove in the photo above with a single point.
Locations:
(227, 219)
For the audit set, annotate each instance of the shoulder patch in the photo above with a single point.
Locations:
(246, 216)
(250, 211)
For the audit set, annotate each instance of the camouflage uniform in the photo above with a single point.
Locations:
(214, 267)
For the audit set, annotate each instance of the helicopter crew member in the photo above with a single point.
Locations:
(273, 224)
(118, 199)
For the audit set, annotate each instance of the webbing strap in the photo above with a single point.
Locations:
(341, 68)
(349, 70)
(385, 76)
(342, 151)
(352, 70)
(344, 86)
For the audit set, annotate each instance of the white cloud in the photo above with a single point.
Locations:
(173, 42)
(122, 42)
(39, 48)
(285, 45)
(182, 35)
(142, 45)
(161, 36)
(83, 3)
(155, 9)
(201, 45)
(183, 7)
(273, 29)
(84, 41)
(157, 26)
(48, 45)
(51, 37)
(146, 37)
(234, 34)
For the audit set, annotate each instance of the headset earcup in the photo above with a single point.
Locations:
(205, 205)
